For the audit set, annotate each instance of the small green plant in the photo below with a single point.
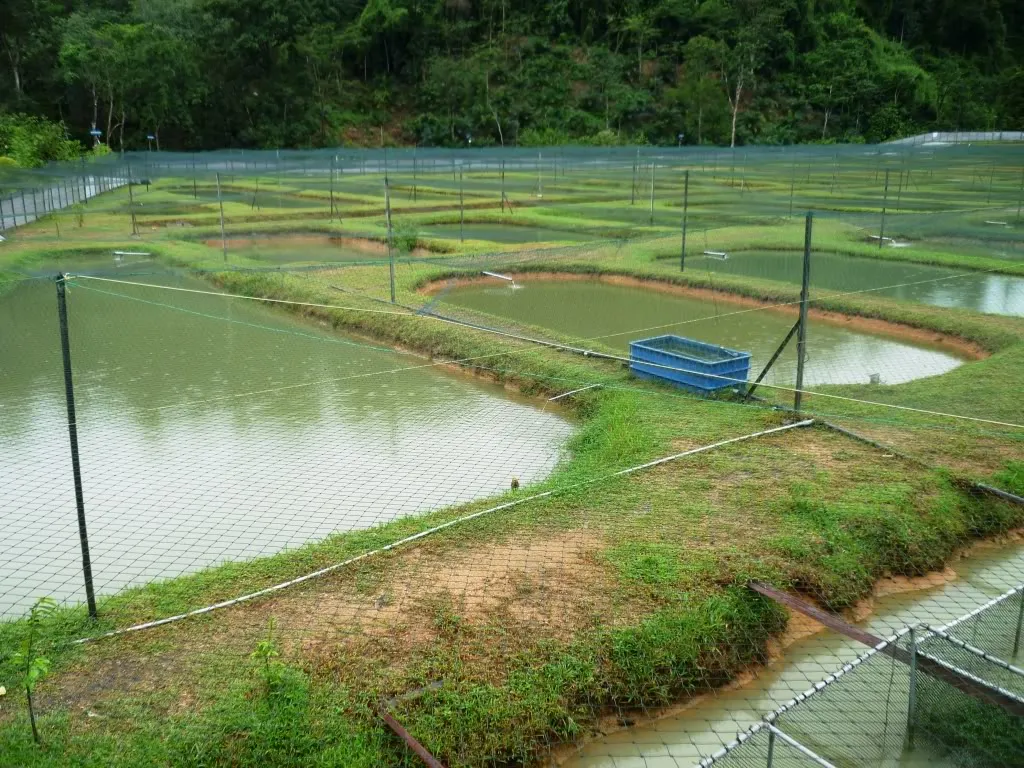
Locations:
(33, 667)
(405, 236)
(266, 657)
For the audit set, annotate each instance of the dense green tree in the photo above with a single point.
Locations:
(267, 73)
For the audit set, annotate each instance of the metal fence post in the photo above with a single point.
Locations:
(686, 203)
(792, 187)
(333, 160)
(220, 203)
(391, 250)
(131, 201)
(653, 166)
(801, 338)
(632, 191)
(1020, 194)
(1020, 626)
(885, 200)
(771, 748)
(69, 393)
(912, 698)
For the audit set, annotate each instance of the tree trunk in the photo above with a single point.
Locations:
(110, 110)
(828, 111)
(15, 65)
(95, 114)
(736, 110)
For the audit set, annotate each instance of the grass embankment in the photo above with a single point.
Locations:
(609, 596)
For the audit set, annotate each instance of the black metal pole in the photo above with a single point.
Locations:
(792, 187)
(1020, 194)
(632, 190)
(801, 337)
(391, 249)
(686, 204)
(652, 191)
(131, 201)
(69, 392)
(885, 200)
(774, 357)
(333, 158)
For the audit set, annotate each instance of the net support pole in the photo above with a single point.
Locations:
(503, 186)
(792, 187)
(632, 189)
(131, 202)
(462, 211)
(885, 200)
(686, 205)
(220, 204)
(773, 358)
(912, 696)
(1020, 194)
(653, 166)
(801, 336)
(334, 159)
(76, 470)
(1020, 627)
(391, 250)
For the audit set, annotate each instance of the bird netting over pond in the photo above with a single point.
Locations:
(379, 413)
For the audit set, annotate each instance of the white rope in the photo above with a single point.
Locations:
(436, 529)
(584, 352)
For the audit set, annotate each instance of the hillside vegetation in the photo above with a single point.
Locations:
(201, 74)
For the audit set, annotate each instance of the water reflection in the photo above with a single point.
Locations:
(214, 429)
(832, 272)
(618, 314)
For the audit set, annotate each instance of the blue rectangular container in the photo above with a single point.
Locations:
(695, 365)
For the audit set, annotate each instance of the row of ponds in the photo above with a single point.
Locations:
(213, 429)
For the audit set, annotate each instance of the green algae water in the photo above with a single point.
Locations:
(215, 429)
(906, 281)
(616, 315)
(504, 234)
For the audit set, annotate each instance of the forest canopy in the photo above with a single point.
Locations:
(201, 74)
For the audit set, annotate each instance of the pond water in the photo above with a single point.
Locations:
(213, 429)
(499, 233)
(833, 272)
(264, 198)
(683, 740)
(616, 315)
(301, 249)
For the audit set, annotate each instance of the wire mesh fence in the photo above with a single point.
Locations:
(379, 408)
(882, 706)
